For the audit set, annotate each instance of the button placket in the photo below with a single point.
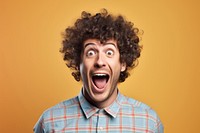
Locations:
(101, 122)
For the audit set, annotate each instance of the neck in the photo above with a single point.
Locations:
(104, 103)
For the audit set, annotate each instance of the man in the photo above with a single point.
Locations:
(100, 49)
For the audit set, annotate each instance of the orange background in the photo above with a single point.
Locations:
(33, 76)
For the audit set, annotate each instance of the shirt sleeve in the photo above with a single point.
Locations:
(159, 127)
(39, 126)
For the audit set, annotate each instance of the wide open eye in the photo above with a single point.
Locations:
(109, 53)
(90, 53)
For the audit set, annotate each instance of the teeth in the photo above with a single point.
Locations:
(99, 74)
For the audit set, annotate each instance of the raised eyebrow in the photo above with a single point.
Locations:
(110, 44)
(87, 44)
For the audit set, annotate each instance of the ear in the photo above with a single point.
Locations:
(123, 67)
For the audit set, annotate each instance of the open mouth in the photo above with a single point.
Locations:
(100, 80)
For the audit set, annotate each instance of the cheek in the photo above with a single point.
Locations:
(116, 67)
(83, 73)
(114, 62)
(84, 68)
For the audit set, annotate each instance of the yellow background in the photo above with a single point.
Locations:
(33, 76)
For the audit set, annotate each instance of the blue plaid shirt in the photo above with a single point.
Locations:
(78, 115)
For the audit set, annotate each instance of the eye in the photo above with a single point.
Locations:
(109, 53)
(90, 53)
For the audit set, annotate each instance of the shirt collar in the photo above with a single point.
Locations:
(90, 110)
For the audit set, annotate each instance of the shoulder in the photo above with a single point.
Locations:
(139, 108)
(133, 103)
(57, 112)
(60, 108)
(141, 111)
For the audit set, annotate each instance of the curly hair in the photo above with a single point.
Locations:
(101, 26)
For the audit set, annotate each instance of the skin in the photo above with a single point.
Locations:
(98, 58)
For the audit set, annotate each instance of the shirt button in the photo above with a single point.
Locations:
(100, 128)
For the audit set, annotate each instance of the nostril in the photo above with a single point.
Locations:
(96, 65)
(99, 65)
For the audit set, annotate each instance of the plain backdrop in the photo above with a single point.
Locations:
(33, 76)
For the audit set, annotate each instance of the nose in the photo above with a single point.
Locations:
(100, 61)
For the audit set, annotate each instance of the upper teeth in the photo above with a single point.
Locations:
(99, 74)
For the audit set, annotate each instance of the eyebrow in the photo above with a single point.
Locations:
(87, 44)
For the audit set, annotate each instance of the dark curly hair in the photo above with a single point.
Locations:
(102, 26)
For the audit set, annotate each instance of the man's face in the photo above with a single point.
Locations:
(100, 70)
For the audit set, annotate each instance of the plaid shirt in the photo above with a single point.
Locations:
(78, 115)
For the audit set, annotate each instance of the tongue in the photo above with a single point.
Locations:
(99, 82)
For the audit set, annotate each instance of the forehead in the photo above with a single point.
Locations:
(97, 42)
